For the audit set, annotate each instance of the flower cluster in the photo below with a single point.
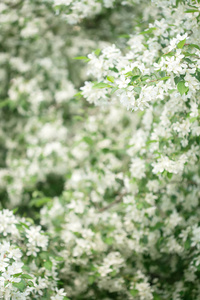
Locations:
(75, 11)
(107, 195)
(26, 268)
(160, 61)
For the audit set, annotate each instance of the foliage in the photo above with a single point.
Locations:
(100, 198)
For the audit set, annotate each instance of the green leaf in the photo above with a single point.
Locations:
(97, 52)
(165, 78)
(111, 79)
(17, 275)
(19, 227)
(78, 95)
(24, 224)
(30, 283)
(160, 241)
(78, 118)
(182, 88)
(44, 255)
(187, 244)
(191, 11)
(109, 240)
(130, 73)
(85, 58)
(88, 140)
(80, 57)
(39, 202)
(177, 2)
(194, 46)
(189, 60)
(136, 71)
(137, 89)
(148, 31)
(192, 120)
(157, 226)
(30, 220)
(26, 276)
(156, 296)
(181, 44)
(133, 78)
(59, 258)
(169, 175)
(171, 53)
(151, 141)
(91, 279)
(20, 285)
(133, 292)
(177, 79)
(101, 85)
(198, 267)
(48, 265)
(145, 77)
(186, 53)
(113, 90)
(5, 102)
(15, 210)
(126, 36)
(140, 205)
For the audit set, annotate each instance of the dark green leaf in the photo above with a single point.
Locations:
(17, 275)
(15, 210)
(156, 296)
(187, 244)
(5, 102)
(133, 78)
(24, 224)
(20, 285)
(30, 283)
(194, 46)
(169, 175)
(26, 276)
(191, 11)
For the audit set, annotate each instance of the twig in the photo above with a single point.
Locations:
(118, 199)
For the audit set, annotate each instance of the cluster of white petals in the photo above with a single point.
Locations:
(99, 159)
(21, 277)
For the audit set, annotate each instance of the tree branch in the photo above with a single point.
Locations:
(118, 199)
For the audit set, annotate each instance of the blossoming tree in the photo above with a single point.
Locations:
(99, 162)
